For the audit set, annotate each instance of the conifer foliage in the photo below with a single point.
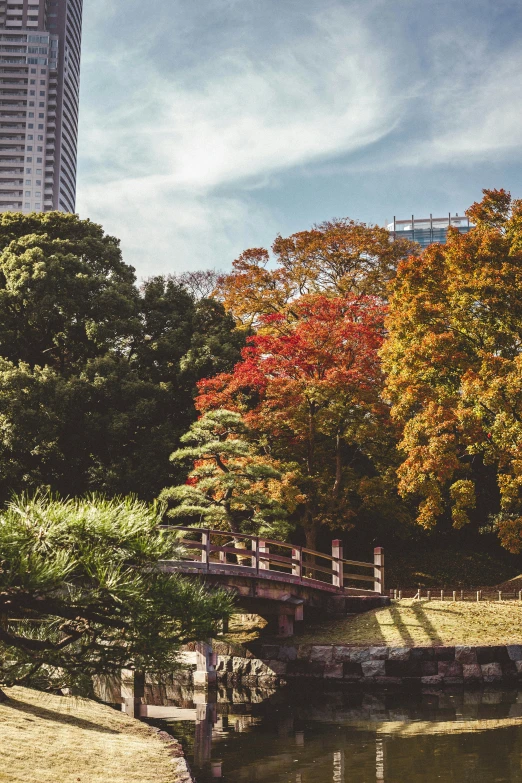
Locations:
(233, 486)
(81, 593)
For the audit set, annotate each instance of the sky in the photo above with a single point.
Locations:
(211, 126)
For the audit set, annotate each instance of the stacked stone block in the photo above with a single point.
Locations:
(383, 666)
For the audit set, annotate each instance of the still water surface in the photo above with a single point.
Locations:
(309, 734)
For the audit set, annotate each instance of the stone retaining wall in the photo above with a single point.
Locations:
(367, 666)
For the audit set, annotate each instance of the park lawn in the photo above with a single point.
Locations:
(46, 739)
(410, 623)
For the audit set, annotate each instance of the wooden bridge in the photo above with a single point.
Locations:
(273, 578)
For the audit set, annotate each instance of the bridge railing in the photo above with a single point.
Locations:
(213, 550)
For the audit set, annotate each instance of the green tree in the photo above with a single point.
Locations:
(65, 293)
(97, 376)
(233, 486)
(81, 593)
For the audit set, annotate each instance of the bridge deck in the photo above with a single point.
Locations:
(217, 568)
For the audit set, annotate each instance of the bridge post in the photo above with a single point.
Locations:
(205, 673)
(205, 552)
(262, 549)
(378, 571)
(337, 564)
(297, 567)
(285, 624)
(134, 695)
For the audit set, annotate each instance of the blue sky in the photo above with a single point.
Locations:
(210, 126)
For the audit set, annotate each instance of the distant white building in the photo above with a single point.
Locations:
(426, 231)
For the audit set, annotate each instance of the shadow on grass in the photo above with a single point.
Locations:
(426, 624)
(401, 627)
(56, 717)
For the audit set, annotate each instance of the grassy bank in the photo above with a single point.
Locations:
(410, 623)
(45, 739)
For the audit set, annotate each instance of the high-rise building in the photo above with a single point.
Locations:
(426, 231)
(40, 43)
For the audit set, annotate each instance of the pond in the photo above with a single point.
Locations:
(316, 734)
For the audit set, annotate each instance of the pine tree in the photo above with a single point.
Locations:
(81, 593)
(233, 485)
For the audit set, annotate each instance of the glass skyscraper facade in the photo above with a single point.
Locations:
(426, 231)
(40, 45)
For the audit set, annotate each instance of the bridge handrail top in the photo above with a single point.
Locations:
(359, 563)
(319, 554)
(209, 530)
(234, 535)
(264, 540)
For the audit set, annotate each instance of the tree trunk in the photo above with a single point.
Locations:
(310, 529)
(4, 624)
(338, 467)
(311, 536)
(311, 439)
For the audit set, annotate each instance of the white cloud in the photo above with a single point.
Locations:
(471, 105)
(172, 157)
(173, 141)
(485, 117)
(164, 232)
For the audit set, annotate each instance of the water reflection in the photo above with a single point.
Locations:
(307, 734)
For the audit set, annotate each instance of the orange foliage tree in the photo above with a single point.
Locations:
(454, 364)
(340, 257)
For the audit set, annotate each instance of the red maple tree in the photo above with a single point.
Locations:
(311, 381)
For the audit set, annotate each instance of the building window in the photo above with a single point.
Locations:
(38, 206)
(27, 181)
(27, 206)
(31, 114)
(31, 125)
(38, 184)
(29, 159)
(28, 171)
(28, 194)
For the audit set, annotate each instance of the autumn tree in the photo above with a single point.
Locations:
(339, 257)
(454, 364)
(310, 381)
(233, 485)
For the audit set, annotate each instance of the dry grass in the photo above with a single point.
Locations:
(244, 628)
(410, 623)
(46, 739)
